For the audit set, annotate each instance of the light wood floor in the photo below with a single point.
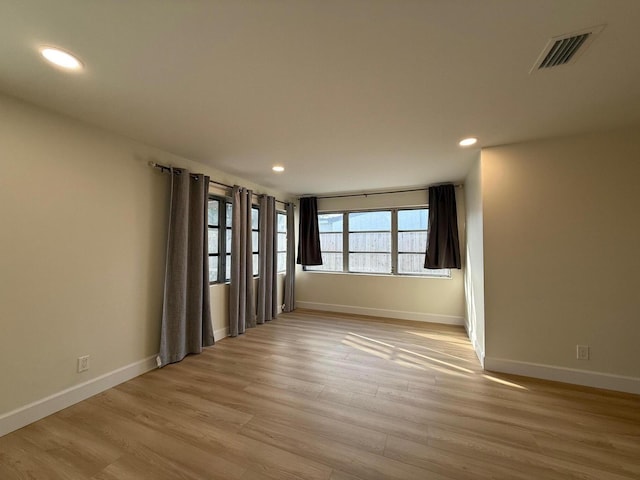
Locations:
(323, 396)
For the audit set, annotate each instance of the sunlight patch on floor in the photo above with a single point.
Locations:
(441, 338)
(504, 382)
(407, 358)
(402, 356)
(372, 340)
(422, 347)
(363, 348)
(442, 362)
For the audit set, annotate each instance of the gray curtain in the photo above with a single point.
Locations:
(443, 246)
(241, 297)
(309, 233)
(290, 276)
(267, 283)
(186, 311)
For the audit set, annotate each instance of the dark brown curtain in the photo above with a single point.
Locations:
(443, 246)
(308, 233)
(290, 276)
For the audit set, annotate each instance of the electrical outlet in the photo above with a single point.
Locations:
(582, 352)
(83, 363)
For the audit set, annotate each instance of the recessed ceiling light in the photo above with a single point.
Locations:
(277, 168)
(467, 142)
(61, 58)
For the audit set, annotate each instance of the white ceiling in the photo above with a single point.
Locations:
(347, 94)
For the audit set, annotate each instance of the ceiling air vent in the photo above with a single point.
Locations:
(565, 49)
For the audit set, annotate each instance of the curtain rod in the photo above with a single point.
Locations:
(421, 189)
(165, 168)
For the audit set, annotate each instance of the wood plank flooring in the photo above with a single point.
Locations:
(322, 396)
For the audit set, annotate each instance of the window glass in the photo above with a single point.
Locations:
(331, 262)
(411, 263)
(414, 219)
(412, 241)
(282, 222)
(369, 221)
(256, 265)
(213, 212)
(282, 262)
(229, 215)
(370, 242)
(213, 240)
(331, 242)
(330, 222)
(370, 262)
(255, 219)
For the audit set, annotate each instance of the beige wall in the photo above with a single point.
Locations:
(430, 299)
(562, 263)
(82, 242)
(220, 305)
(474, 271)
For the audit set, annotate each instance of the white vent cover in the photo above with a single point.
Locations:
(565, 49)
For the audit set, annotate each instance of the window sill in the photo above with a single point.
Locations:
(388, 275)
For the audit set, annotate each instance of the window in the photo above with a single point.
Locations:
(216, 240)
(390, 241)
(370, 242)
(412, 241)
(281, 226)
(330, 226)
(228, 222)
(255, 239)
(220, 213)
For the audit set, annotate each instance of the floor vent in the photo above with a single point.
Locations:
(565, 49)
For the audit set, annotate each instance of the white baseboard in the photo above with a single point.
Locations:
(474, 343)
(479, 351)
(562, 374)
(220, 333)
(379, 312)
(32, 412)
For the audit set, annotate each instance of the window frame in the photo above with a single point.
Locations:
(398, 252)
(278, 233)
(341, 252)
(255, 249)
(346, 250)
(219, 257)
(346, 237)
(229, 227)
